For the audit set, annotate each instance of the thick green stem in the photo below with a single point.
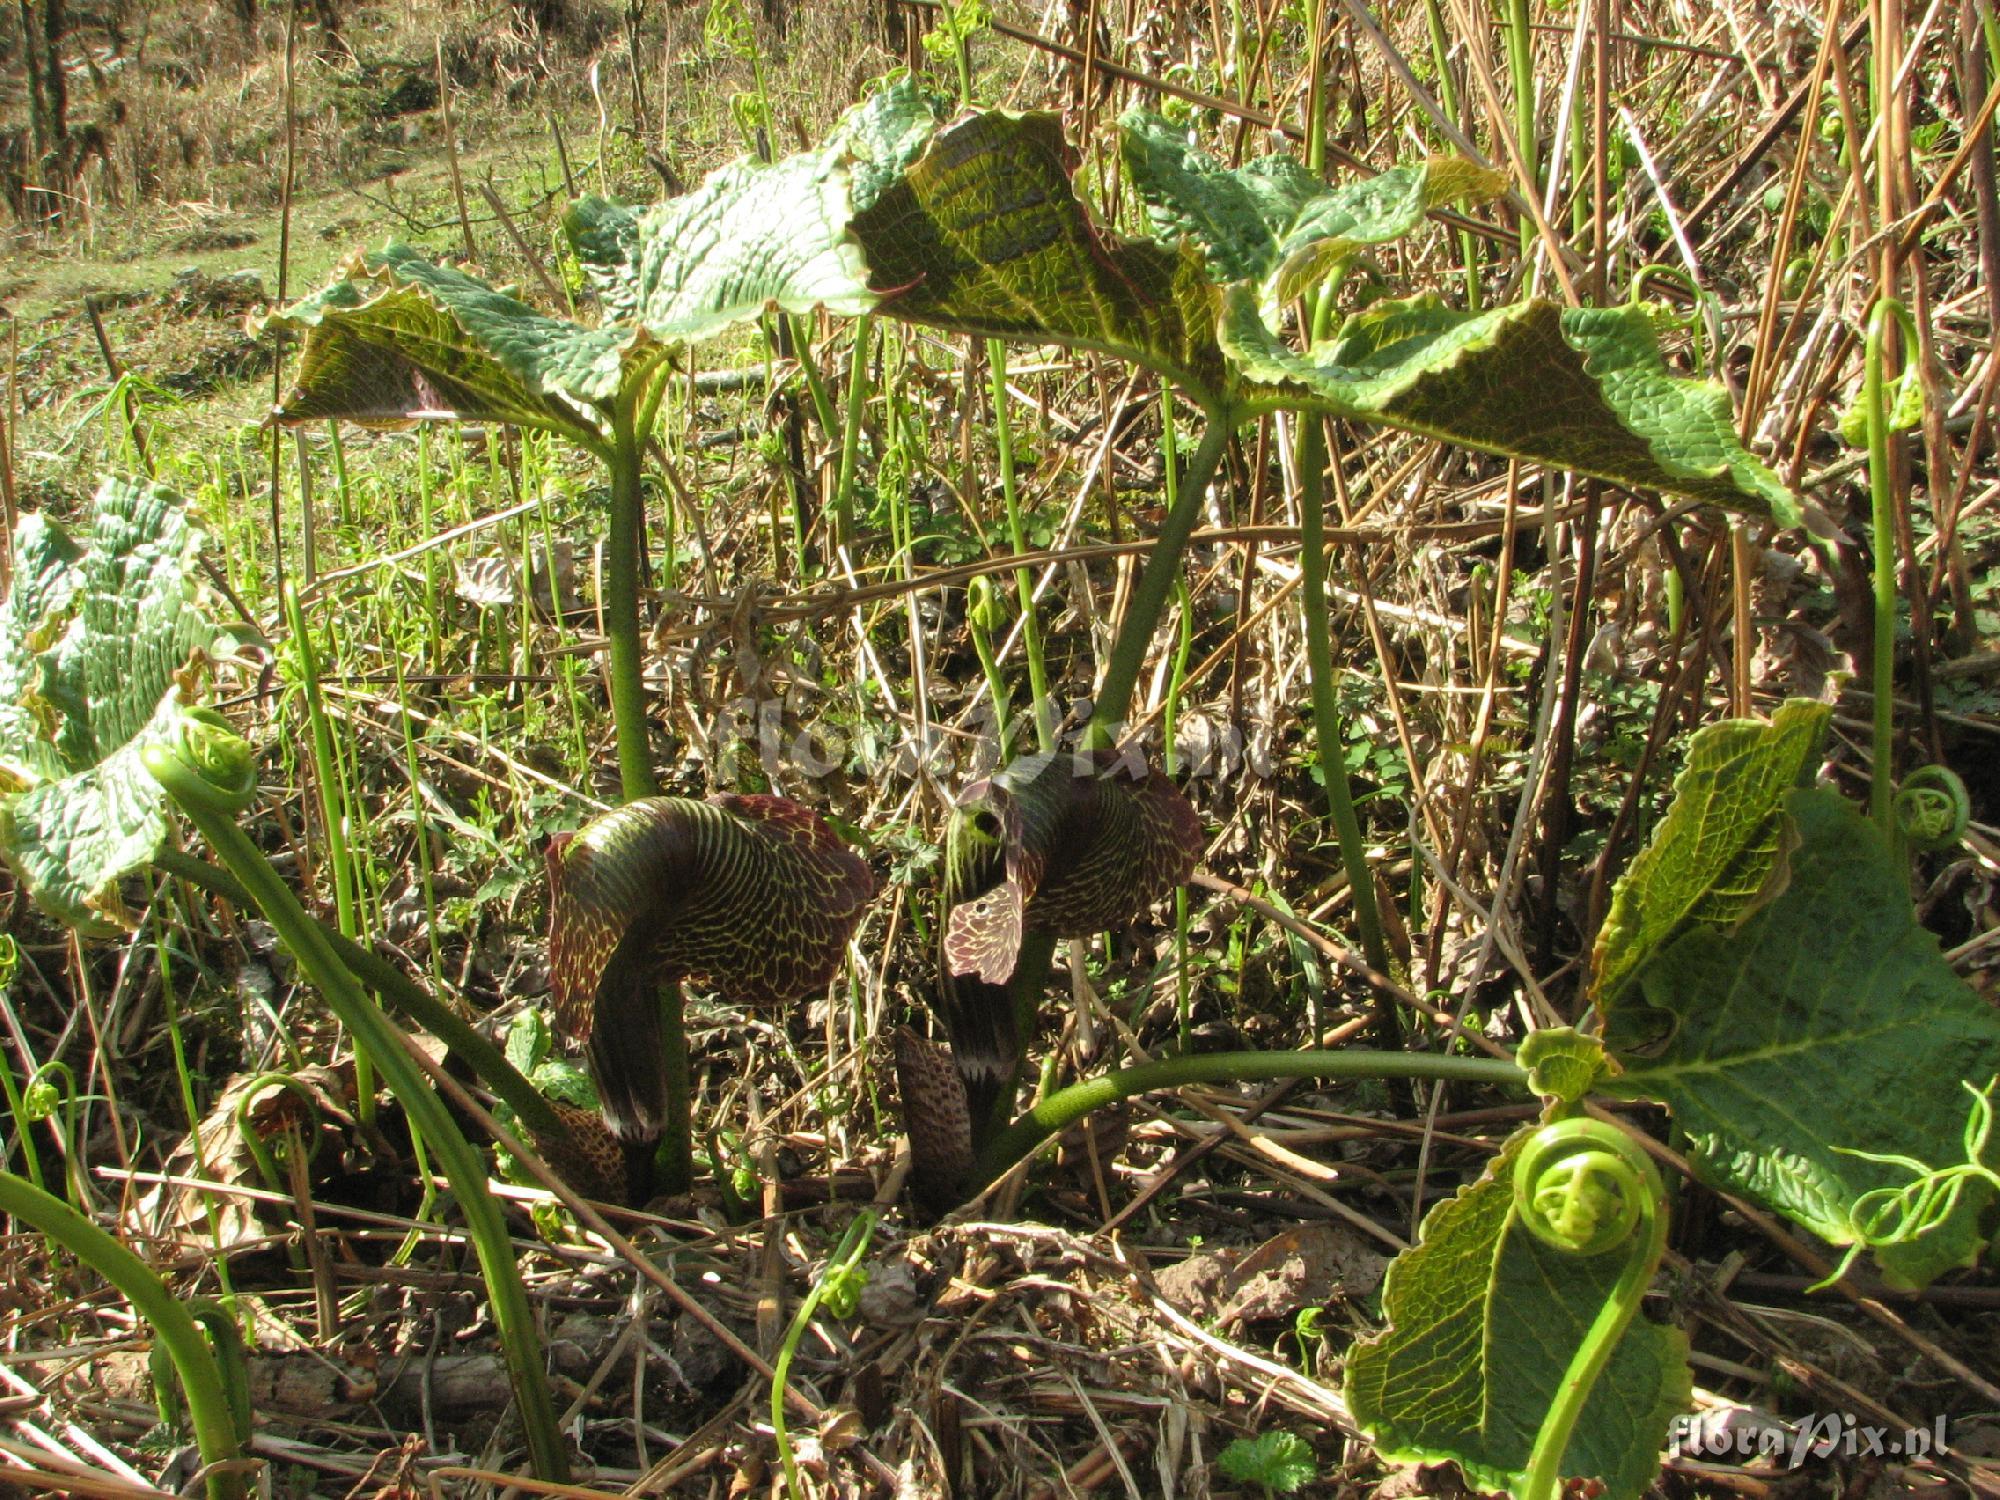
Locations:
(1326, 706)
(1521, 65)
(1065, 1107)
(212, 791)
(1156, 582)
(1590, 1160)
(488, 1063)
(1468, 244)
(621, 609)
(326, 765)
(850, 432)
(333, 808)
(160, 1310)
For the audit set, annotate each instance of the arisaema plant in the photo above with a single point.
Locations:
(752, 896)
(1765, 978)
(400, 339)
(1717, 981)
(1051, 846)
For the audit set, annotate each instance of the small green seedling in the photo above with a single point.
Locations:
(1278, 1463)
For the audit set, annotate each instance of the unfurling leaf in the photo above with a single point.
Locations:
(1563, 1064)
(1810, 1047)
(1484, 1319)
(753, 896)
(1719, 853)
(98, 642)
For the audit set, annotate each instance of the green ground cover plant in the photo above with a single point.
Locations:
(930, 315)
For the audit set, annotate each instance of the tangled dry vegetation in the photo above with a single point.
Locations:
(1520, 655)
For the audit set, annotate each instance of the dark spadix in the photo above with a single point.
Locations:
(752, 896)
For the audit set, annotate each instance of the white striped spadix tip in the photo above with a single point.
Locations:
(754, 897)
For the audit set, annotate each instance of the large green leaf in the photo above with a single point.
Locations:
(1583, 389)
(1825, 1024)
(403, 340)
(753, 235)
(1273, 222)
(1719, 851)
(1483, 1321)
(985, 234)
(755, 896)
(101, 636)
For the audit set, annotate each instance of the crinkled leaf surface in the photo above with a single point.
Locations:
(749, 235)
(1279, 1462)
(984, 234)
(754, 235)
(1827, 1022)
(403, 340)
(110, 628)
(754, 896)
(1563, 1064)
(32, 618)
(1583, 389)
(1719, 852)
(1085, 842)
(1483, 1321)
(882, 135)
(1273, 222)
(604, 235)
